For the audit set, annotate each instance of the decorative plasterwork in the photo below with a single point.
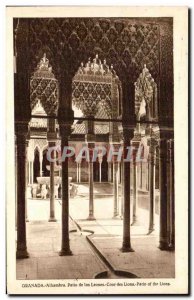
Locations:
(126, 43)
(38, 122)
(93, 86)
(44, 87)
(145, 95)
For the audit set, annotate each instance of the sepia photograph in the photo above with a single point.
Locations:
(94, 203)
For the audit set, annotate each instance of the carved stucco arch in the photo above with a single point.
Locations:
(44, 87)
(95, 88)
(127, 43)
(146, 100)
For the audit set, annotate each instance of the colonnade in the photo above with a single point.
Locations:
(166, 158)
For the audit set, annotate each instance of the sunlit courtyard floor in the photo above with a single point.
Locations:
(95, 244)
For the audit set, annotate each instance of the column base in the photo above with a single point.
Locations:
(91, 218)
(116, 217)
(150, 231)
(126, 247)
(65, 252)
(22, 254)
(135, 222)
(171, 247)
(52, 219)
(164, 246)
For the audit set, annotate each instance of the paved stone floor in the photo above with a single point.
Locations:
(95, 246)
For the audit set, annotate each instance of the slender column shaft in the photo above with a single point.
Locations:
(119, 172)
(109, 172)
(52, 185)
(115, 185)
(171, 194)
(32, 171)
(21, 195)
(152, 162)
(141, 175)
(90, 138)
(148, 176)
(79, 166)
(29, 179)
(40, 164)
(100, 171)
(26, 198)
(135, 197)
(163, 240)
(126, 247)
(122, 188)
(65, 247)
(16, 183)
(77, 174)
(91, 192)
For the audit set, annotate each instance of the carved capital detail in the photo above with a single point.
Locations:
(65, 116)
(65, 131)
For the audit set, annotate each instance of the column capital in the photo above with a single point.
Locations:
(152, 143)
(22, 129)
(90, 134)
(51, 137)
(136, 140)
(128, 133)
(65, 116)
(171, 143)
(165, 133)
(65, 130)
(51, 130)
(51, 144)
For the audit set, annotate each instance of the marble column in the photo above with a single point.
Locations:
(147, 176)
(171, 195)
(152, 164)
(90, 140)
(65, 131)
(29, 174)
(15, 182)
(100, 170)
(27, 179)
(122, 189)
(52, 185)
(115, 187)
(135, 148)
(126, 246)
(135, 191)
(109, 172)
(91, 183)
(163, 239)
(41, 158)
(77, 172)
(141, 176)
(21, 135)
(79, 168)
(32, 171)
(119, 172)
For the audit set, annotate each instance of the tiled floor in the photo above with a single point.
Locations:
(44, 242)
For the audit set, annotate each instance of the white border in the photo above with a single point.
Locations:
(181, 117)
